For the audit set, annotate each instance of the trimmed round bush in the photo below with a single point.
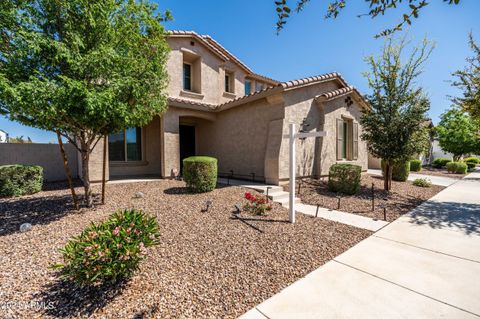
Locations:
(344, 178)
(471, 166)
(474, 160)
(415, 165)
(457, 167)
(200, 173)
(440, 162)
(400, 170)
(109, 251)
(18, 180)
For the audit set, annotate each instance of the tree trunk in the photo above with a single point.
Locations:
(387, 176)
(456, 158)
(67, 170)
(104, 168)
(86, 175)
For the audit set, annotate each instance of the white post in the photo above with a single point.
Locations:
(292, 167)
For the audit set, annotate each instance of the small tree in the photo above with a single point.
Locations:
(457, 133)
(393, 127)
(468, 80)
(84, 68)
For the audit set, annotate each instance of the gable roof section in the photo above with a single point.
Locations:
(335, 94)
(221, 52)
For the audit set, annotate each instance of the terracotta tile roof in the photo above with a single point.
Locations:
(289, 85)
(331, 95)
(208, 106)
(212, 44)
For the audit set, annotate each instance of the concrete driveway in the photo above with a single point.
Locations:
(426, 264)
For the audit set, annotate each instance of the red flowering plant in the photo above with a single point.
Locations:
(257, 204)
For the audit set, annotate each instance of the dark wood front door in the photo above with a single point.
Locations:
(187, 143)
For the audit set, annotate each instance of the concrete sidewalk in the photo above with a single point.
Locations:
(426, 264)
(436, 180)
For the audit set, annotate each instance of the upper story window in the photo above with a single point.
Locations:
(229, 82)
(258, 87)
(192, 69)
(248, 87)
(187, 76)
(126, 145)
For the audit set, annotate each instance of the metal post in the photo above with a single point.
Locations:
(268, 188)
(291, 199)
(373, 197)
(316, 213)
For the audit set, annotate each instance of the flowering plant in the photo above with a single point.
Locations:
(257, 204)
(110, 250)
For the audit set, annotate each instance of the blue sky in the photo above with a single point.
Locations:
(310, 45)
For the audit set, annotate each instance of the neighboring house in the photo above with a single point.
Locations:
(219, 107)
(3, 136)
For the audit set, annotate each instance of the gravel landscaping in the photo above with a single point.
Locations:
(208, 264)
(403, 197)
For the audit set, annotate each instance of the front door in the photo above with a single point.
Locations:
(187, 143)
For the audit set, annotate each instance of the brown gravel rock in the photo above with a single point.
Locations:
(403, 197)
(208, 264)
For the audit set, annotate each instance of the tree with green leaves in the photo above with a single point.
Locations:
(393, 128)
(468, 80)
(457, 133)
(376, 8)
(84, 68)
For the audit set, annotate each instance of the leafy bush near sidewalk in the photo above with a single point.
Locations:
(422, 182)
(111, 250)
(474, 160)
(415, 165)
(200, 173)
(440, 162)
(18, 180)
(471, 166)
(457, 167)
(344, 178)
(257, 204)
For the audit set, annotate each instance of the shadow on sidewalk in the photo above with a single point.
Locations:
(443, 215)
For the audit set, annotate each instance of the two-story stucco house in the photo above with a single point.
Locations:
(219, 107)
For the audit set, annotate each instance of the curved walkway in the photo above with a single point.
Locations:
(426, 264)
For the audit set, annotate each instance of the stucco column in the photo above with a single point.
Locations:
(170, 137)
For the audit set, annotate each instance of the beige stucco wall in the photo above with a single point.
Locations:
(314, 156)
(239, 138)
(46, 155)
(212, 69)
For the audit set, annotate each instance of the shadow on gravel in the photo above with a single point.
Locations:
(443, 215)
(64, 299)
(186, 191)
(33, 210)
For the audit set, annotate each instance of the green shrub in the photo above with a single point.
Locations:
(457, 167)
(474, 160)
(344, 178)
(18, 180)
(400, 170)
(440, 162)
(471, 166)
(111, 250)
(422, 182)
(415, 165)
(200, 173)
